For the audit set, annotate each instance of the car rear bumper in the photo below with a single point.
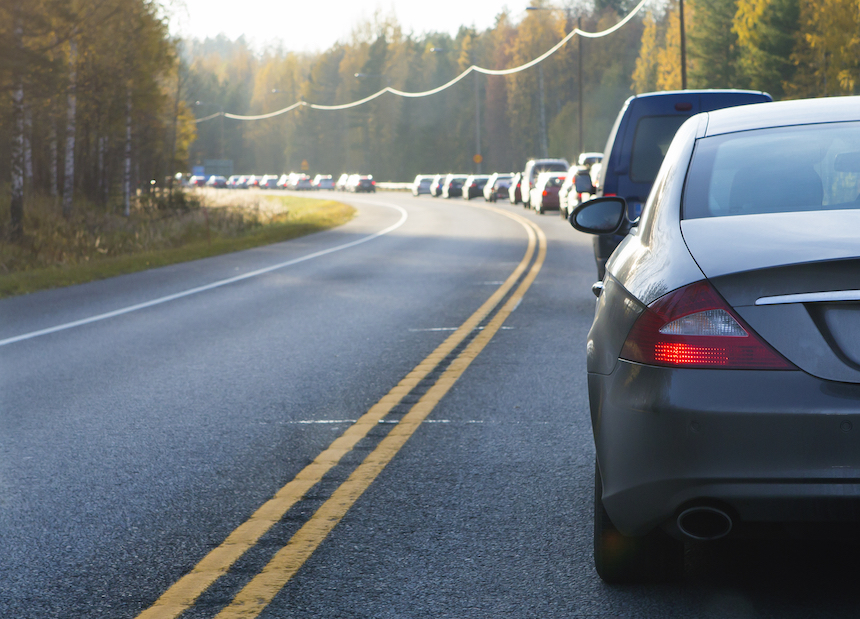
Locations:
(768, 446)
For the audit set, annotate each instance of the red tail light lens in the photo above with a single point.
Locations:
(694, 327)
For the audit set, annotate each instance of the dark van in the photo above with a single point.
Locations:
(638, 142)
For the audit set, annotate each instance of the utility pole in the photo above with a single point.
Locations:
(544, 149)
(478, 157)
(579, 73)
(683, 48)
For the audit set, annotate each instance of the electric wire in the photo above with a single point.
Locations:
(445, 86)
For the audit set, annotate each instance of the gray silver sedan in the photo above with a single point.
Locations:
(724, 358)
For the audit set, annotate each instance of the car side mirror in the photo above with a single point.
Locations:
(606, 215)
(583, 183)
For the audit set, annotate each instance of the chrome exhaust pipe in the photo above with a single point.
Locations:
(704, 523)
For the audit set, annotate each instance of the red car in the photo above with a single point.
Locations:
(545, 193)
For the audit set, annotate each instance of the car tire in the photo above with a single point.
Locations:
(623, 559)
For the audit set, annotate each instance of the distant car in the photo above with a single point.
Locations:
(197, 181)
(268, 181)
(436, 185)
(360, 183)
(421, 184)
(340, 185)
(568, 197)
(723, 373)
(302, 183)
(535, 167)
(473, 186)
(216, 181)
(232, 181)
(497, 187)
(323, 181)
(545, 193)
(638, 141)
(515, 189)
(253, 181)
(453, 186)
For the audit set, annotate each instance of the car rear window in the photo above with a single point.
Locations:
(650, 143)
(549, 167)
(789, 169)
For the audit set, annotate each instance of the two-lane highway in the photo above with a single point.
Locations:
(388, 419)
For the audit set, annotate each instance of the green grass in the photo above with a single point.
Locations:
(94, 245)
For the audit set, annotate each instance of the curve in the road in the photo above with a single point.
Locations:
(224, 282)
(257, 594)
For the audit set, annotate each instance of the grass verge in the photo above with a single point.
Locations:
(57, 253)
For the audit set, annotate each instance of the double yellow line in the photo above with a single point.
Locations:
(260, 591)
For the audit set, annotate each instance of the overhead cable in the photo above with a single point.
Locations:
(427, 93)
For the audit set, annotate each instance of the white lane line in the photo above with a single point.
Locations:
(224, 282)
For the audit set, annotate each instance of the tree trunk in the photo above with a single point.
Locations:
(28, 149)
(101, 144)
(126, 208)
(69, 180)
(55, 158)
(16, 211)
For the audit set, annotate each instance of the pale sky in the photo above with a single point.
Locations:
(313, 26)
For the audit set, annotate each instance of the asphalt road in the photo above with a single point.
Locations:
(133, 445)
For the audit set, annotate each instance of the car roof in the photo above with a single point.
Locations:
(782, 114)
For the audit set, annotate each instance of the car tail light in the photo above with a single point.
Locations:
(544, 192)
(694, 327)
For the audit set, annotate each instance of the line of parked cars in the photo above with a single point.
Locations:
(544, 184)
(294, 181)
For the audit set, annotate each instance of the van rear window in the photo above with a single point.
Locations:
(650, 143)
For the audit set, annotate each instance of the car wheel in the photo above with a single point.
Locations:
(622, 559)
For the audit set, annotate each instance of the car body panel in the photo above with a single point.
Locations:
(769, 446)
(743, 439)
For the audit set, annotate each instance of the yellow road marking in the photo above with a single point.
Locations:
(258, 593)
(182, 594)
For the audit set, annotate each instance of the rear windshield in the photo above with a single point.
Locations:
(808, 168)
(549, 167)
(650, 143)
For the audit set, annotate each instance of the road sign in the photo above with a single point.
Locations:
(305, 165)
(477, 158)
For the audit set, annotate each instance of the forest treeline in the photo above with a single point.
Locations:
(91, 106)
(789, 48)
(98, 99)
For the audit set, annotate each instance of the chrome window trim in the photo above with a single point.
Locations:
(811, 297)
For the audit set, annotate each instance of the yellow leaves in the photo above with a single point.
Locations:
(827, 53)
(658, 66)
(747, 18)
(669, 57)
(645, 75)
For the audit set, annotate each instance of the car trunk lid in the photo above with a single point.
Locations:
(794, 278)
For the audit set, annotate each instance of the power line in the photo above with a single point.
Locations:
(427, 93)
